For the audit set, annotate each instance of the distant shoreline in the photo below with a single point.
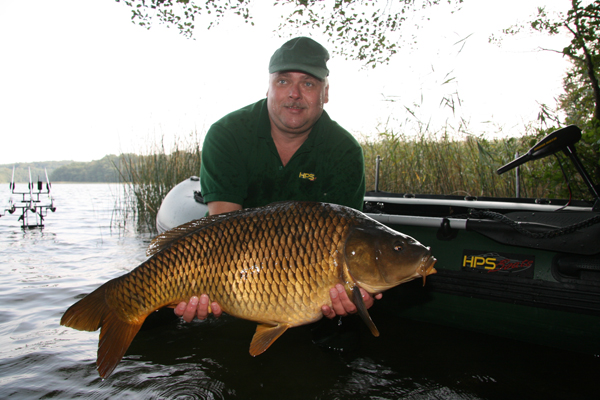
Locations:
(65, 182)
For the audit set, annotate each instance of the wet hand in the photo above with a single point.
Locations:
(197, 307)
(342, 305)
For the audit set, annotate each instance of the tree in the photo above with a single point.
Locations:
(366, 30)
(577, 102)
(102, 170)
(581, 99)
(582, 22)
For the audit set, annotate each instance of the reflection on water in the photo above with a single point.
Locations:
(44, 272)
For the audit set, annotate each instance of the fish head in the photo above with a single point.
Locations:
(379, 258)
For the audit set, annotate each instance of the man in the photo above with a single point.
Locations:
(284, 147)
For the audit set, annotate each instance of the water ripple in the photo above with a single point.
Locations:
(194, 390)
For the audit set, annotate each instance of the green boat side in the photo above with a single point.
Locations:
(530, 305)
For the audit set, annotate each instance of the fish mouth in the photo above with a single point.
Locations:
(426, 267)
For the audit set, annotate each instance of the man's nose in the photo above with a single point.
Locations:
(295, 91)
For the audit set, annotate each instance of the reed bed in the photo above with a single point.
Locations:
(440, 163)
(150, 176)
(424, 163)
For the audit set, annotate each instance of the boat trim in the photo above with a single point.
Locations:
(498, 205)
(410, 220)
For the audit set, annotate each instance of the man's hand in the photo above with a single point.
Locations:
(197, 307)
(341, 305)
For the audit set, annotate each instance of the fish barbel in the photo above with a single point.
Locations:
(273, 265)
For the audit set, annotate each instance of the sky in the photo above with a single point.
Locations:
(79, 80)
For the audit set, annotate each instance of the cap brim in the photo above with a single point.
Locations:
(320, 73)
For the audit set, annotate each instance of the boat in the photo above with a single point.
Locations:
(516, 268)
(34, 202)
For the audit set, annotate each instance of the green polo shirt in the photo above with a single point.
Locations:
(240, 163)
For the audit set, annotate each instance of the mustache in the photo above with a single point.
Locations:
(294, 105)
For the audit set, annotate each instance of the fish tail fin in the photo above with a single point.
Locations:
(92, 312)
(115, 337)
(88, 313)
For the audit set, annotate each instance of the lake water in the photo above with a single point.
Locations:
(44, 271)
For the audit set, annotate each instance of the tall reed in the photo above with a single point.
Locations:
(150, 176)
(440, 163)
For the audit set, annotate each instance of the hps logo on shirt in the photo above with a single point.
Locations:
(306, 175)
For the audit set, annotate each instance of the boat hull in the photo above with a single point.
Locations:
(531, 305)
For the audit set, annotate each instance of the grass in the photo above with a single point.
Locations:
(422, 163)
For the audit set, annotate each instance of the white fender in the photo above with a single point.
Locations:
(179, 206)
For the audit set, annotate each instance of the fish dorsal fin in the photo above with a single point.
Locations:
(166, 238)
(362, 310)
(264, 337)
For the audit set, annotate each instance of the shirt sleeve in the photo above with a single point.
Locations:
(347, 179)
(223, 173)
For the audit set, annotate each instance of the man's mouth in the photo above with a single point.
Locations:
(294, 106)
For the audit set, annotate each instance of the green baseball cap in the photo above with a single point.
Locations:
(301, 54)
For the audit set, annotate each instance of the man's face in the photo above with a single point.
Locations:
(295, 101)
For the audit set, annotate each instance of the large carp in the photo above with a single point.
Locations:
(273, 265)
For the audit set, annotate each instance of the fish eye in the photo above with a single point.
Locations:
(397, 247)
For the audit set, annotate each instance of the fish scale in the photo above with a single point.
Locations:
(249, 276)
(274, 265)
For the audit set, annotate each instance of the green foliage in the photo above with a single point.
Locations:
(182, 13)
(589, 148)
(22, 170)
(366, 30)
(102, 170)
(362, 30)
(578, 101)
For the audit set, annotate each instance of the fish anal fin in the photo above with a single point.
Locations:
(362, 310)
(115, 337)
(264, 337)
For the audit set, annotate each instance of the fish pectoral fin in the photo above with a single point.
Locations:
(264, 337)
(362, 310)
